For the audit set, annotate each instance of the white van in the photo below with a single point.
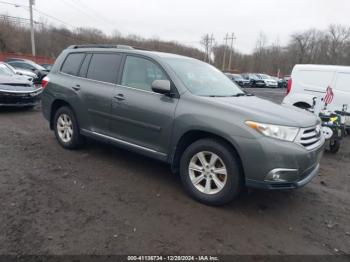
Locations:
(309, 81)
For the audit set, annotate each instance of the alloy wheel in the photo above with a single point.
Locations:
(65, 128)
(207, 172)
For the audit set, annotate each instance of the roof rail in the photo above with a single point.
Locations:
(100, 46)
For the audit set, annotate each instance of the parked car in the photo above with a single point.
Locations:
(268, 80)
(25, 64)
(47, 66)
(7, 70)
(254, 80)
(286, 78)
(309, 81)
(238, 79)
(185, 112)
(21, 72)
(281, 83)
(17, 90)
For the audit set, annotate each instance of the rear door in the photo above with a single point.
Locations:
(313, 81)
(341, 91)
(97, 80)
(93, 85)
(141, 116)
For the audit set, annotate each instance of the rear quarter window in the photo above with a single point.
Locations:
(72, 63)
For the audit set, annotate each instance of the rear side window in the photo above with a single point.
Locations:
(104, 67)
(343, 82)
(72, 63)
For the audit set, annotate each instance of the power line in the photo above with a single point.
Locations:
(9, 3)
(38, 11)
(54, 18)
(80, 10)
(94, 13)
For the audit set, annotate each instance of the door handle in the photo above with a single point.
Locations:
(119, 97)
(76, 87)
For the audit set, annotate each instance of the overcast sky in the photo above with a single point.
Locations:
(187, 20)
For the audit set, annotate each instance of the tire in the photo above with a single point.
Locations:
(73, 139)
(334, 146)
(208, 192)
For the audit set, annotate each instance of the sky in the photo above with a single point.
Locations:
(186, 21)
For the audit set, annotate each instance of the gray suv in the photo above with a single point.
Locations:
(184, 112)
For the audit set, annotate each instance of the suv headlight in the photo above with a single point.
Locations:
(286, 133)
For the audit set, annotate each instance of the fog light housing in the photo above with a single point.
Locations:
(282, 175)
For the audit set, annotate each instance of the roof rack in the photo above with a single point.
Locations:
(101, 46)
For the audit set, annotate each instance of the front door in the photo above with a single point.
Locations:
(139, 115)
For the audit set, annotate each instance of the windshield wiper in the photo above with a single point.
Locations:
(236, 95)
(239, 94)
(242, 94)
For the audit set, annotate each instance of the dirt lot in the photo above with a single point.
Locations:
(104, 200)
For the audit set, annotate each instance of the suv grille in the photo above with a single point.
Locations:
(310, 137)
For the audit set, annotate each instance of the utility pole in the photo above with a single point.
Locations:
(31, 3)
(207, 43)
(211, 40)
(231, 46)
(224, 58)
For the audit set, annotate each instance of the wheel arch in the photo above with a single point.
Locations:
(58, 103)
(303, 105)
(194, 135)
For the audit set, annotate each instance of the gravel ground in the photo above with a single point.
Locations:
(104, 200)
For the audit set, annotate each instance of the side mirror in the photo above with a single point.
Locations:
(161, 86)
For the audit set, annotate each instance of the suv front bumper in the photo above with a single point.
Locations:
(301, 181)
(274, 164)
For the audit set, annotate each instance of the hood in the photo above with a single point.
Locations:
(26, 72)
(264, 111)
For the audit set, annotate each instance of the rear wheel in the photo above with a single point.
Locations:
(210, 172)
(67, 129)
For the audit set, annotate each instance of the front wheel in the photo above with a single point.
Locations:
(210, 172)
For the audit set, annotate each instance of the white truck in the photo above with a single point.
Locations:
(309, 81)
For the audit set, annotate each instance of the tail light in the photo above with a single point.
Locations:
(289, 85)
(44, 82)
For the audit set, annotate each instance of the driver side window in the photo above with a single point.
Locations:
(140, 73)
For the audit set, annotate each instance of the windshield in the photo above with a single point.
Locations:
(10, 68)
(39, 67)
(4, 70)
(263, 76)
(203, 79)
